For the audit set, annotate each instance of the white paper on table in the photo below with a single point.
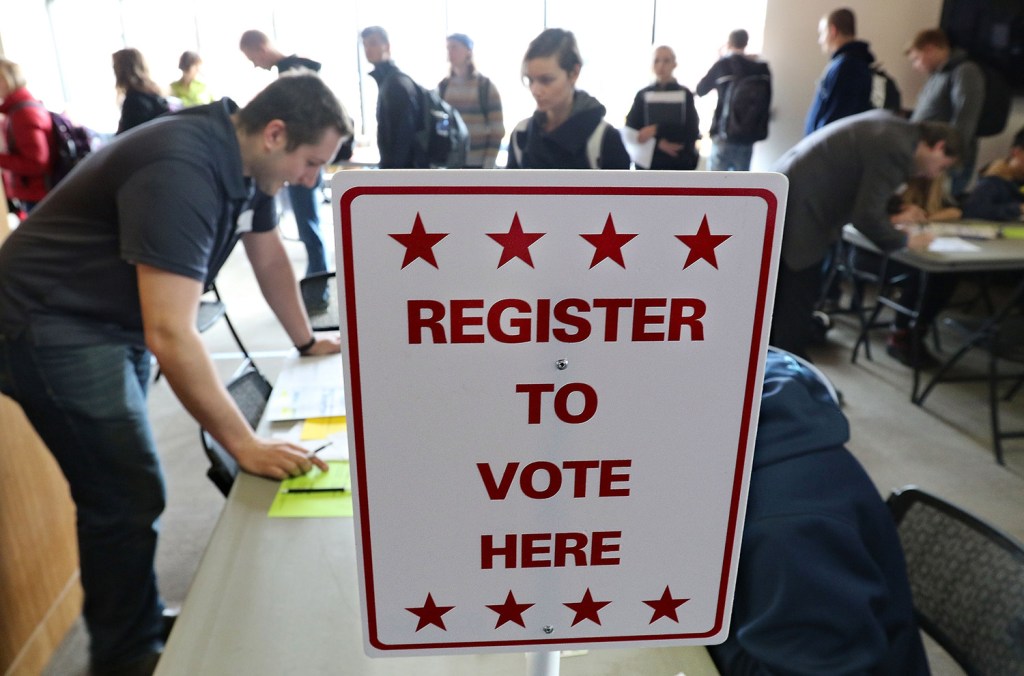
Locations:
(640, 153)
(943, 244)
(311, 388)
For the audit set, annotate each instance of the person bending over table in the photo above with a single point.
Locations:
(843, 173)
(110, 268)
(822, 583)
(996, 197)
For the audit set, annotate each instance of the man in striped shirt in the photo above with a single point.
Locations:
(477, 100)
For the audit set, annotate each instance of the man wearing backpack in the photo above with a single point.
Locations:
(954, 93)
(731, 153)
(477, 100)
(845, 87)
(399, 109)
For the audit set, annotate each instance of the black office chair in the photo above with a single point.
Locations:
(250, 391)
(211, 310)
(967, 581)
(319, 293)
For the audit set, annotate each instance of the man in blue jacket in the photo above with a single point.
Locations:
(845, 87)
(822, 584)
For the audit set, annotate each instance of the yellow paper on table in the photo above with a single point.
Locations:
(321, 428)
(315, 504)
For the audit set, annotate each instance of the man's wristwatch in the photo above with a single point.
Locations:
(305, 346)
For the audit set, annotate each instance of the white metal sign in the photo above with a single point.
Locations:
(553, 382)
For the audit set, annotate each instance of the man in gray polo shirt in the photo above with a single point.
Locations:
(108, 269)
(843, 173)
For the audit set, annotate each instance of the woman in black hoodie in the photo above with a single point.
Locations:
(568, 130)
(142, 98)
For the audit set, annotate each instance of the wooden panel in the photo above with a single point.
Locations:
(5, 228)
(39, 592)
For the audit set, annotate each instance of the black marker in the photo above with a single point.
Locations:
(339, 489)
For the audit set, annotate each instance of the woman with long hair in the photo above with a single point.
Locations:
(142, 98)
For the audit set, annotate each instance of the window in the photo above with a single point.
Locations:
(72, 69)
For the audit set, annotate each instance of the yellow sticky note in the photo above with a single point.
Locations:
(315, 504)
(321, 428)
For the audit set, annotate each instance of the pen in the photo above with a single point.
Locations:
(317, 450)
(339, 489)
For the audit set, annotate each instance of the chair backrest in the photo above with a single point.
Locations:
(967, 581)
(250, 391)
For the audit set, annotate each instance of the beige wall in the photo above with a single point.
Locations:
(791, 48)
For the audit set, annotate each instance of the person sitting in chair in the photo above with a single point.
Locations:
(822, 583)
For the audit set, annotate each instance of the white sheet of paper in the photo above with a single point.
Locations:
(640, 153)
(313, 388)
(952, 244)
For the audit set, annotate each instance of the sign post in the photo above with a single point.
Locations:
(553, 382)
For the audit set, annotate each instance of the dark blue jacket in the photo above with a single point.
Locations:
(995, 199)
(822, 585)
(844, 88)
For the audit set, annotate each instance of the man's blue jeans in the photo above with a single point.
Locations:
(727, 156)
(88, 404)
(306, 207)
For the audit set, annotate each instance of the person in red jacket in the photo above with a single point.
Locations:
(27, 130)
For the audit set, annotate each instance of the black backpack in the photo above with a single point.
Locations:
(995, 109)
(746, 108)
(69, 144)
(885, 94)
(442, 137)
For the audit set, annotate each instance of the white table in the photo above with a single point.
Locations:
(280, 596)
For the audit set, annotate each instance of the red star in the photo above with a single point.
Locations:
(702, 245)
(608, 244)
(430, 613)
(419, 243)
(587, 609)
(515, 243)
(510, 611)
(665, 606)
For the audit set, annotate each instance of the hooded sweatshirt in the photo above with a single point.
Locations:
(822, 585)
(844, 88)
(565, 147)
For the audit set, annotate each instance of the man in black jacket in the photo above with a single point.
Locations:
(729, 154)
(305, 200)
(398, 106)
